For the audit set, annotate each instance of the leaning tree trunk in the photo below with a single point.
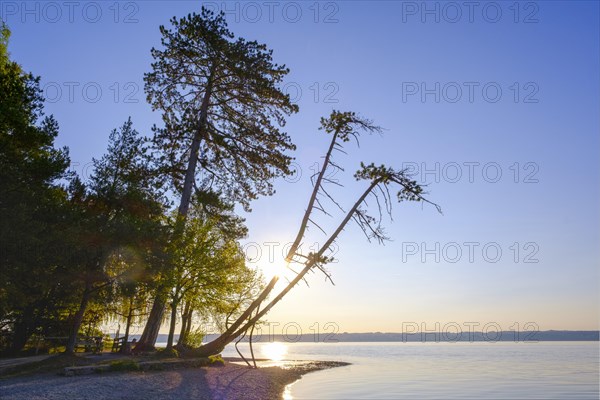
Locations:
(341, 125)
(217, 345)
(78, 319)
(150, 334)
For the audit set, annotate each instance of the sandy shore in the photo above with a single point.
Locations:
(231, 381)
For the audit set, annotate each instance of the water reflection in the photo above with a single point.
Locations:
(287, 393)
(274, 351)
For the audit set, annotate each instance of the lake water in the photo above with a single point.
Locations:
(480, 370)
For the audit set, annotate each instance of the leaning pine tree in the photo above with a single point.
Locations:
(379, 181)
(222, 112)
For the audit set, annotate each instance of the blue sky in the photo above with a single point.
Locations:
(541, 133)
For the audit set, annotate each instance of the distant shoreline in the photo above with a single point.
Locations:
(426, 337)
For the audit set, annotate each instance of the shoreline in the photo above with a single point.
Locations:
(230, 381)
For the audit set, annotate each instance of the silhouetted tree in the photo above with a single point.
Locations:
(222, 109)
(120, 211)
(30, 200)
(343, 126)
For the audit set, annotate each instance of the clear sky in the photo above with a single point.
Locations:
(499, 101)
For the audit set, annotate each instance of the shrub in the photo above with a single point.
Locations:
(124, 365)
(194, 338)
(216, 360)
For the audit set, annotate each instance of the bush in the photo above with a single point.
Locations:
(194, 338)
(164, 353)
(124, 365)
(216, 361)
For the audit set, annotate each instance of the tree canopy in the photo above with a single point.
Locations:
(221, 108)
(30, 199)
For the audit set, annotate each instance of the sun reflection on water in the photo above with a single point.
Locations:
(274, 351)
(287, 393)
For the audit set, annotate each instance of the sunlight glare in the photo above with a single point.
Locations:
(274, 351)
(287, 393)
(282, 272)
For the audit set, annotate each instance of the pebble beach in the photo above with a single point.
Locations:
(231, 381)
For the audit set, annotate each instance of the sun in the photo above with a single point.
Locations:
(279, 270)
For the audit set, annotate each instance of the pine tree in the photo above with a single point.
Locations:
(222, 110)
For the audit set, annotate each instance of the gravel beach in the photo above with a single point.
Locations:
(231, 381)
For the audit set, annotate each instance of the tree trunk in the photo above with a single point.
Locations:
(188, 327)
(217, 345)
(23, 330)
(311, 201)
(184, 324)
(148, 339)
(129, 318)
(77, 319)
(172, 325)
(124, 346)
(190, 173)
(150, 334)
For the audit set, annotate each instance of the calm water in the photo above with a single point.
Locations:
(506, 370)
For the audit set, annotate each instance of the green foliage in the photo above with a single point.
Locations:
(209, 272)
(167, 353)
(194, 338)
(216, 360)
(117, 228)
(31, 204)
(126, 208)
(124, 365)
(347, 124)
(4, 36)
(410, 190)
